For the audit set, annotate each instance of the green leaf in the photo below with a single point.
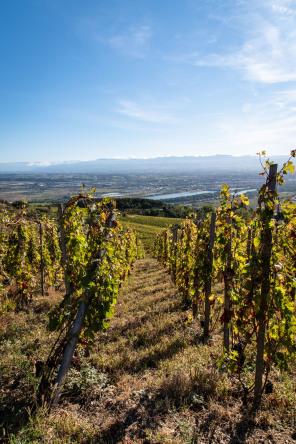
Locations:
(257, 241)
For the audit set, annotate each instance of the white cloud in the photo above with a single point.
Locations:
(268, 52)
(247, 107)
(100, 119)
(152, 113)
(282, 9)
(270, 125)
(133, 42)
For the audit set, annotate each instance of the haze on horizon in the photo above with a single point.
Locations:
(89, 80)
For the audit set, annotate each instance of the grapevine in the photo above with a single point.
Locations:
(99, 255)
(257, 263)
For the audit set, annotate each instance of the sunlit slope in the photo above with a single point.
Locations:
(148, 227)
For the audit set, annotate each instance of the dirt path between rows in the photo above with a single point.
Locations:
(156, 379)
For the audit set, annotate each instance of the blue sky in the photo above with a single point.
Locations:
(81, 80)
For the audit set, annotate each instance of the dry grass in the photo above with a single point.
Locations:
(150, 379)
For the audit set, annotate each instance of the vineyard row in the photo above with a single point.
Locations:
(256, 263)
(87, 253)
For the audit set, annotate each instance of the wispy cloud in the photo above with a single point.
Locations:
(133, 41)
(267, 54)
(269, 125)
(130, 39)
(283, 9)
(98, 120)
(152, 113)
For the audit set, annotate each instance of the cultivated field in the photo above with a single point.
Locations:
(149, 378)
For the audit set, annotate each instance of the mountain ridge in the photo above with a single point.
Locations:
(218, 162)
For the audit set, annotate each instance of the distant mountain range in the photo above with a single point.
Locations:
(153, 165)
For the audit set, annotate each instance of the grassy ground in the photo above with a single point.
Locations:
(146, 233)
(149, 379)
(162, 222)
(147, 227)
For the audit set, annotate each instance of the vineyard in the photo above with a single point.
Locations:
(93, 257)
(255, 261)
(211, 324)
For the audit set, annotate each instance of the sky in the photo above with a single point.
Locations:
(82, 80)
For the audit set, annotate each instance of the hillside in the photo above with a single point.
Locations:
(153, 165)
(148, 227)
(149, 379)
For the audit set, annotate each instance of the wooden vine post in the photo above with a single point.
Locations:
(77, 326)
(208, 282)
(41, 257)
(174, 240)
(266, 237)
(165, 248)
(20, 246)
(293, 294)
(227, 298)
(21, 241)
(249, 242)
(63, 248)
